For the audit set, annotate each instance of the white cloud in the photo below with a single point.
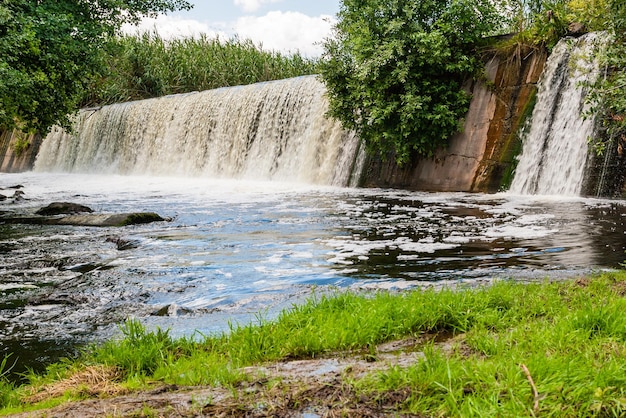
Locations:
(250, 6)
(174, 27)
(286, 31)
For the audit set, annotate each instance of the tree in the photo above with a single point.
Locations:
(395, 69)
(607, 96)
(49, 49)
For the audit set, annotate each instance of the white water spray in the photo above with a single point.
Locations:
(265, 131)
(555, 143)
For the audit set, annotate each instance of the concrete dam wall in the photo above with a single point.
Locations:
(481, 157)
(18, 151)
(477, 159)
(278, 131)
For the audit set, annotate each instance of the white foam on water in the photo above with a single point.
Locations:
(230, 240)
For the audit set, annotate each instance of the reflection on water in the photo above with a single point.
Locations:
(236, 250)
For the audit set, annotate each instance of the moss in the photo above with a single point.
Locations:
(20, 146)
(514, 143)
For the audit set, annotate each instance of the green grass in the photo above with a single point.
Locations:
(570, 336)
(146, 65)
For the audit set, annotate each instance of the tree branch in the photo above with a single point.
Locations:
(532, 385)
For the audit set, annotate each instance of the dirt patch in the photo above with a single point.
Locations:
(162, 402)
(296, 388)
(312, 399)
(619, 287)
(582, 282)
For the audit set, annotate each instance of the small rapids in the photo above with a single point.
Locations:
(555, 142)
(235, 251)
(265, 131)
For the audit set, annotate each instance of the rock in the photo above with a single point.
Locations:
(58, 299)
(172, 310)
(85, 267)
(117, 219)
(17, 186)
(576, 29)
(63, 208)
(122, 243)
(18, 196)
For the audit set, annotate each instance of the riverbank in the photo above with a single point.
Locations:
(511, 349)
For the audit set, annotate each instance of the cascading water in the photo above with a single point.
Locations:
(265, 131)
(555, 146)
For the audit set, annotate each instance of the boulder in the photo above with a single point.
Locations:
(576, 29)
(115, 219)
(63, 208)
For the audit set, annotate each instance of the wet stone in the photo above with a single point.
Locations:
(123, 243)
(63, 208)
(172, 310)
(89, 219)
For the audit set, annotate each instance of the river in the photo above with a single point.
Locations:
(238, 251)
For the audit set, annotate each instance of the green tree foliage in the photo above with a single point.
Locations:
(395, 69)
(545, 22)
(608, 93)
(49, 49)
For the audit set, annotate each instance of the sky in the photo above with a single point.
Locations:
(275, 25)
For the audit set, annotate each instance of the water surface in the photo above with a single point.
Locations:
(235, 251)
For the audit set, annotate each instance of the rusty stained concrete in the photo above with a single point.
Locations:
(12, 162)
(476, 159)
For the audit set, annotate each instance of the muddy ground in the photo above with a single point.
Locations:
(299, 388)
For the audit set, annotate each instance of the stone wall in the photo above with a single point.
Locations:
(605, 174)
(18, 151)
(481, 158)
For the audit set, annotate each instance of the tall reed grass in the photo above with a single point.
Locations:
(146, 65)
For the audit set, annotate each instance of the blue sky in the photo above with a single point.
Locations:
(281, 25)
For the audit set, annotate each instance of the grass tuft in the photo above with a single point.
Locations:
(508, 349)
(91, 381)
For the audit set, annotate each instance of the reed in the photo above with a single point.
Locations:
(7, 388)
(146, 65)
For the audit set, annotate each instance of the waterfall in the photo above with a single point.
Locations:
(555, 142)
(266, 131)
